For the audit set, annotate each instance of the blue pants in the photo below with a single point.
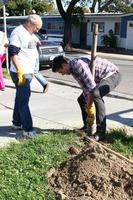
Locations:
(40, 78)
(21, 113)
(38, 75)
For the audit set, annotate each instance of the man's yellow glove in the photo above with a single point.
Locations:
(21, 77)
(90, 114)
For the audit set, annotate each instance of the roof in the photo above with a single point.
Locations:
(101, 15)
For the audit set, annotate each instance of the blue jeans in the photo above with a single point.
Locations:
(21, 113)
(39, 76)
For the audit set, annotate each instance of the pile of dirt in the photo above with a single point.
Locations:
(93, 174)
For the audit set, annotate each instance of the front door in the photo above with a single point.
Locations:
(83, 31)
(129, 39)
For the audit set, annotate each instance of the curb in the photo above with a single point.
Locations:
(104, 55)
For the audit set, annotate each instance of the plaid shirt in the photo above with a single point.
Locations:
(80, 70)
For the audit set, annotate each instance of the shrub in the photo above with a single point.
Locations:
(109, 40)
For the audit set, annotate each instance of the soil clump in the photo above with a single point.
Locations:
(93, 174)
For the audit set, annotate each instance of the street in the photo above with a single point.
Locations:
(125, 66)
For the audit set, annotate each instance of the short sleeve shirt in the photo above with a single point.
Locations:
(28, 54)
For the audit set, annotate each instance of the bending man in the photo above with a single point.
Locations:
(107, 77)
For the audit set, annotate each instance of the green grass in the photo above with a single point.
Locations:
(23, 166)
(5, 73)
(121, 143)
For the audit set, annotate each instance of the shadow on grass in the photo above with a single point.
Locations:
(119, 134)
(57, 131)
(7, 131)
(120, 141)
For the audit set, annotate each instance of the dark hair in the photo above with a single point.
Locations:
(57, 62)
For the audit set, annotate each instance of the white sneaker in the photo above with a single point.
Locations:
(29, 134)
(14, 127)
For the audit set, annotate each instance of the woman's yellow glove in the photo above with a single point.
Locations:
(90, 114)
(21, 77)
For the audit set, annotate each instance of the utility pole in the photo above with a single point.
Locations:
(4, 2)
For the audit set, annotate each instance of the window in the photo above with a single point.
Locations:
(100, 26)
(130, 24)
(55, 26)
(117, 29)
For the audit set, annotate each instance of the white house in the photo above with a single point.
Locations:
(83, 35)
(121, 24)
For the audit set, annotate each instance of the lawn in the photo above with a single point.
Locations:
(5, 73)
(24, 166)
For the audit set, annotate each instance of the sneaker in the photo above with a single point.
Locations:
(14, 127)
(29, 134)
(45, 88)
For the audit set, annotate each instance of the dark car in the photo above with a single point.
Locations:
(44, 33)
(48, 50)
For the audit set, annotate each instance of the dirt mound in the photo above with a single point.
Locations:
(93, 174)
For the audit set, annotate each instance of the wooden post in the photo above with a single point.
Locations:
(90, 126)
(94, 48)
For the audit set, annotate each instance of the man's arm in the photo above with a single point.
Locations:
(89, 101)
(13, 54)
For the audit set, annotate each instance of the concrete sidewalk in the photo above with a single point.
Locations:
(58, 109)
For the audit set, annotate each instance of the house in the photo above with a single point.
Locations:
(121, 24)
(126, 32)
(54, 25)
(105, 23)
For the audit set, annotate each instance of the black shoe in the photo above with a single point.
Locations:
(45, 88)
(99, 136)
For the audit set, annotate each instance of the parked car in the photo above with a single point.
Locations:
(48, 50)
(44, 33)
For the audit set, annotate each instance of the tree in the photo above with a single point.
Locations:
(42, 6)
(101, 5)
(67, 17)
(20, 7)
(120, 6)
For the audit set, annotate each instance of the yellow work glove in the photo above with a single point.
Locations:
(21, 77)
(90, 114)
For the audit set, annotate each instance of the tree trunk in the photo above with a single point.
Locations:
(67, 33)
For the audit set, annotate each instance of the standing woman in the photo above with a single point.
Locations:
(3, 45)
